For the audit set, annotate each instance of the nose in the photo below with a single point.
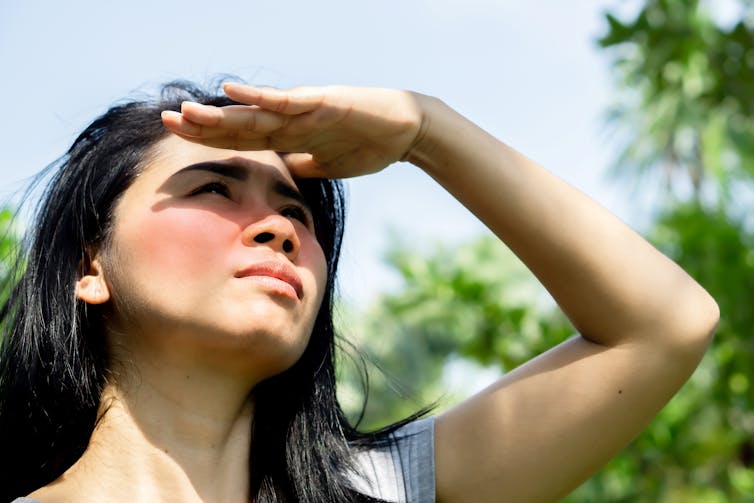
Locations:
(276, 232)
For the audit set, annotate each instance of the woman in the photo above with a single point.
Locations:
(193, 361)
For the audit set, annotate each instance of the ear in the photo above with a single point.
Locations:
(91, 286)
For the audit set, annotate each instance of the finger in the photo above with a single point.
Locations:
(231, 142)
(234, 143)
(240, 117)
(290, 102)
(175, 122)
(316, 120)
(304, 166)
(179, 125)
(232, 139)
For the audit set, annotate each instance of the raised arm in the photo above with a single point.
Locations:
(644, 323)
(546, 426)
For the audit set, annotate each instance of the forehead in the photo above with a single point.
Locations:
(174, 153)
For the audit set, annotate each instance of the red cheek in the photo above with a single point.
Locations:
(182, 240)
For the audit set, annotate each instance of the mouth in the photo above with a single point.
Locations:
(277, 275)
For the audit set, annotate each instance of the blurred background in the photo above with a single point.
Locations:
(645, 105)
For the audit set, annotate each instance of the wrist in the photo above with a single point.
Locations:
(425, 144)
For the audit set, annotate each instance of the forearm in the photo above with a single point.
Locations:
(614, 286)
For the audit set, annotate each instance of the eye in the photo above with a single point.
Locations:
(212, 188)
(298, 213)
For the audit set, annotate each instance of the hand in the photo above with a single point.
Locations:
(326, 132)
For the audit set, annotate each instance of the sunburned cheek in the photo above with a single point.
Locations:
(185, 242)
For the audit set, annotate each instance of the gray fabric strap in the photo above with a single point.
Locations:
(403, 472)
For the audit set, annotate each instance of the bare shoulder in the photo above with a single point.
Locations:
(55, 492)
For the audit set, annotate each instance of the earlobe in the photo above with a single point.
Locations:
(91, 286)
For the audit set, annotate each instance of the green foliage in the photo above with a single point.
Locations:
(685, 115)
(476, 302)
(689, 101)
(701, 446)
(9, 247)
(466, 300)
(479, 302)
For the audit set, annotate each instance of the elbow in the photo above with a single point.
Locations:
(708, 318)
(695, 322)
(714, 317)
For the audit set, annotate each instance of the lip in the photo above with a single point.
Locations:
(274, 269)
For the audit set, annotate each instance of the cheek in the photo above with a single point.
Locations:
(177, 242)
(313, 259)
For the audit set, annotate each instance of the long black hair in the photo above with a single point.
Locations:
(53, 358)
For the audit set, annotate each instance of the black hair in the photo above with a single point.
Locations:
(53, 357)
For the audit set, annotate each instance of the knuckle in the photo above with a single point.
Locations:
(282, 105)
(250, 124)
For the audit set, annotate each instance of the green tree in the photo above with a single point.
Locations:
(9, 247)
(455, 303)
(685, 113)
(688, 98)
(700, 446)
(684, 117)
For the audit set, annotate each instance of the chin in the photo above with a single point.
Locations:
(264, 351)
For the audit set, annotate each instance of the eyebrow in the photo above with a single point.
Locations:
(280, 186)
(226, 170)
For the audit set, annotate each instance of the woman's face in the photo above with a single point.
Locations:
(214, 255)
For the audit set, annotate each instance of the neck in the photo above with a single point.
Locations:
(173, 433)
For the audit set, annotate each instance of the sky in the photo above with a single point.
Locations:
(528, 72)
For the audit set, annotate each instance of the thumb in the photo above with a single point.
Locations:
(302, 165)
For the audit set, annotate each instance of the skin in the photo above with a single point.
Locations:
(543, 428)
(175, 255)
(189, 338)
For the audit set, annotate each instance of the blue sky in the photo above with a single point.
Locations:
(528, 72)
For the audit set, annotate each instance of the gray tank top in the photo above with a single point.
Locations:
(403, 472)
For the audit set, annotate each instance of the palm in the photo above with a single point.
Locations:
(330, 131)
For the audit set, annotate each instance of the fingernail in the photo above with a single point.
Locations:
(169, 113)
